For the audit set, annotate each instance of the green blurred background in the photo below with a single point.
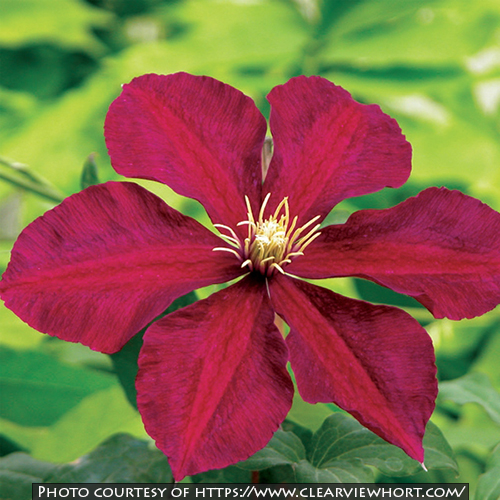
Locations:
(434, 65)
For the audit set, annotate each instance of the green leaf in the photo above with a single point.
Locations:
(121, 459)
(15, 108)
(337, 472)
(438, 453)
(17, 473)
(473, 388)
(308, 415)
(241, 33)
(125, 360)
(27, 21)
(125, 366)
(15, 333)
(47, 387)
(89, 176)
(303, 433)
(343, 439)
(385, 32)
(488, 486)
(343, 443)
(284, 448)
(44, 70)
(342, 451)
(81, 429)
(231, 474)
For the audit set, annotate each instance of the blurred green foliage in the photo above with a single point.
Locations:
(432, 64)
(342, 449)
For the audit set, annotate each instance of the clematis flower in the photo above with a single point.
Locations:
(213, 384)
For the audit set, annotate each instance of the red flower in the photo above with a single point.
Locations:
(212, 384)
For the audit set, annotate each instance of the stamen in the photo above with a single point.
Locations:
(249, 210)
(234, 236)
(224, 249)
(311, 232)
(278, 267)
(271, 243)
(312, 221)
(292, 227)
(280, 206)
(296, 254)
(263, 207)
(301, 229)
(267, 259)
(231, 241)
(307, 243)
(251, 220)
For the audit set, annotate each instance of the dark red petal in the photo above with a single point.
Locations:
(107, 261)
(212, 384)
(376, 362)
(441, 247)
(328, 147)
(201, 137)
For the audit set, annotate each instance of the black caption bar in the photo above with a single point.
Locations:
(353, 491)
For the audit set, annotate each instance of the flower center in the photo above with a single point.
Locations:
(271, 243)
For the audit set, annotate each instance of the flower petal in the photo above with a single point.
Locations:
(441, 247)
(201, 137)
(328, 147)
(376, 362)
(103, 264)
(212, 384)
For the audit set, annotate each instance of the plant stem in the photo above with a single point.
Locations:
(20, 176)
